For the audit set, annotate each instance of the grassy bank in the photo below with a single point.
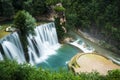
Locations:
(3, 26)
(3, 33)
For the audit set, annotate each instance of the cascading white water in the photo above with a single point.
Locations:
(43, 44)
(83, 46)
(40, 47)
(12, 48)
(12, 52)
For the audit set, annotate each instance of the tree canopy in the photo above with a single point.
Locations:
(24, 22)
(99, 16)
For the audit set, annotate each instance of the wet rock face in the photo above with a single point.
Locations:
(92, 62)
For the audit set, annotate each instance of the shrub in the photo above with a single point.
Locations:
(11, 70)
(59, 9)
(8, 69)
(91, 76)
(113, 75)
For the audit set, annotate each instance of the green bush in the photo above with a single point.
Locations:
(113, 75)
(11, 70)
(7, 70)
(91, 76)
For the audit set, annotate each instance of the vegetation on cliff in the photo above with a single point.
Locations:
(99, 17)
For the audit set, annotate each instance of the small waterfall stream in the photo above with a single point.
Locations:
(40, 46)
(1, 57)
(86, 48)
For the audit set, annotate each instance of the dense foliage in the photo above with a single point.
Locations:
(9, 7)
(10, 70)
(60, 31)
(24, 22)
(100, 17)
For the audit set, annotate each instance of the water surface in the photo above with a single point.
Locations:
(60, 59)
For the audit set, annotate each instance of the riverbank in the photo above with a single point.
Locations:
(101, 43)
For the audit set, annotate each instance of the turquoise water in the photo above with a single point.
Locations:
(66, 52)
(60, 59)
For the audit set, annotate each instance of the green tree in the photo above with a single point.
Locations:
(28, 6)
(39, 7)
(6, 8)
(26, 24)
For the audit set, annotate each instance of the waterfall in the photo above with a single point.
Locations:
(40, 46)
(86, 48)
(12, 47)
(43, 44)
